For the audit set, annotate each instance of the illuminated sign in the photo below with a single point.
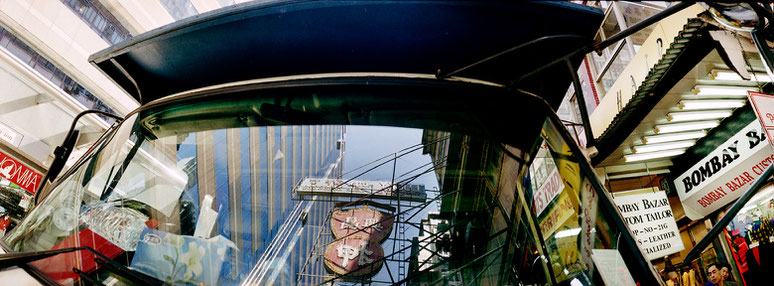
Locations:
(362, 221)
(19, 174)
(358, 189)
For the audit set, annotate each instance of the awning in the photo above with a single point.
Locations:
(257, 40)
(688, 49)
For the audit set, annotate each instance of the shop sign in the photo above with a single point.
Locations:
(726, 173)
(551, 187)
(19, 174)
(763, 104)
(370, 189)
(9, 135)
(649, 217)
(354, 256)
(363, 221)
(557, 215)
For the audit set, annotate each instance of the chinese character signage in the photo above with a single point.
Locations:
(354, 256)
(362, 221)
(358, 189)
(357, 251)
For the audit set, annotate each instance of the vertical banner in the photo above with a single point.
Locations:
(649, 216)
(589, 201)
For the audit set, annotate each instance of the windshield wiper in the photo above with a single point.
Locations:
(19, 259)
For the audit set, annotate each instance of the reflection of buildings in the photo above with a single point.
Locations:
(272, 231)
(480, 209)
(431, 250)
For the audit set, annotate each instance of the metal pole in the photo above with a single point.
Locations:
(730, 214)
(642, 25)
(581, 104)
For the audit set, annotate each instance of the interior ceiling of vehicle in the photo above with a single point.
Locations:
(258, 40)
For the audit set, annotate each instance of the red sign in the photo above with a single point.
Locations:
(19, 174)
(363, 221)
(354, 256)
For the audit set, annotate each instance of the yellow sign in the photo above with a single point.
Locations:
(561, 211)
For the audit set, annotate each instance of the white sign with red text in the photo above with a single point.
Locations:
(763, 104)
(7, 134)
(548, 190)
(725, 173)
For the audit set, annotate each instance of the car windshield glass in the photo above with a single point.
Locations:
(200, 192)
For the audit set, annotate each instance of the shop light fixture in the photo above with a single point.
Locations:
(652, 155)
(653, 139)
(568, 232)
(689, 104)
(663, 146)
(730, 75)
(731, 91)
(687, 126)
(697, 115)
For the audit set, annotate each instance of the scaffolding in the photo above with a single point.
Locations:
(400, 245)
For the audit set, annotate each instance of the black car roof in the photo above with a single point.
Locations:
(260, 40)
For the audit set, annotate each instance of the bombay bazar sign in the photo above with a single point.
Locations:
(726, 173)
(649, 216)
(357, 251)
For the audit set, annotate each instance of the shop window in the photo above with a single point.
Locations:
(611, 61)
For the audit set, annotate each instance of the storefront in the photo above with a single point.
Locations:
(675, 128)
(18, 183)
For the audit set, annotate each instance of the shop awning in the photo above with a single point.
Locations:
(691, 45)
(256, 40)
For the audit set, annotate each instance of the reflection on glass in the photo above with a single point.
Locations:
(633, 13)
(617, 66)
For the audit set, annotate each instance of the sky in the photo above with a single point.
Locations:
(364, 144)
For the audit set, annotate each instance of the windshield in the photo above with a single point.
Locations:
(201, 192)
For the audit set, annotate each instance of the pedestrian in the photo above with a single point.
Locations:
(715, 276)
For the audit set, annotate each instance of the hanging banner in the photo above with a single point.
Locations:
(649, 216)
(19, 174)
(726, 173)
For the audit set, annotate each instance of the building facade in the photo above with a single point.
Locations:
(664, 105)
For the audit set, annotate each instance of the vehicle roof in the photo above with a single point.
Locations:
(265, 40)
